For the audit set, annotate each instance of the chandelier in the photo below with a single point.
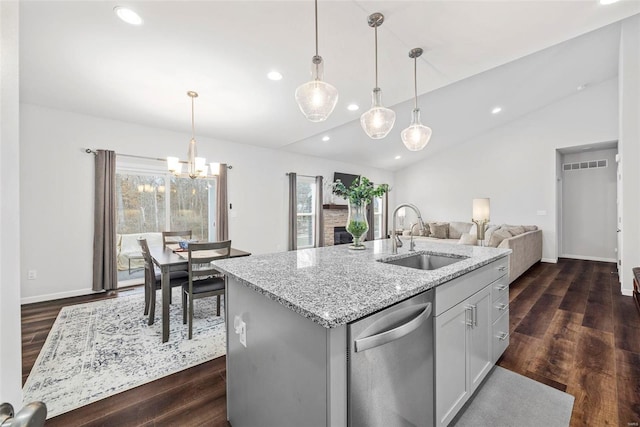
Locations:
(196, 166)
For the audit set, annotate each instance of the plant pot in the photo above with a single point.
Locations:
(357, 224)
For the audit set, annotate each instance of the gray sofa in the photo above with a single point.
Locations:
(525, 242)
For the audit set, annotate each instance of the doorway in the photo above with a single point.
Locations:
(587, 209)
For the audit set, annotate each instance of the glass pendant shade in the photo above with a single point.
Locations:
(378, 121)
(316, 98)
(417, 135)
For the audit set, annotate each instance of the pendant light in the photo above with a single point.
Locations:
(316, 98)
(378, 121)
(196, 166)
(417, 135)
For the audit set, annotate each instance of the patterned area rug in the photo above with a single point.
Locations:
(98, 349)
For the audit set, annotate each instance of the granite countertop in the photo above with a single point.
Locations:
(334, 285)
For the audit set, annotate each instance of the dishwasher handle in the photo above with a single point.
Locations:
(382, 338)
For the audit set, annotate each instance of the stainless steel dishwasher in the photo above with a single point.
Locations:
(390, 366)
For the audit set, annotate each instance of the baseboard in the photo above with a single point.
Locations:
(626, 292)
(550, 260)
(58, 295)
(589, 258)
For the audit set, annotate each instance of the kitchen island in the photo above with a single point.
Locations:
(288, 316)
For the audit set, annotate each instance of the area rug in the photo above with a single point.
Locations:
(507, 399)
(98, 349)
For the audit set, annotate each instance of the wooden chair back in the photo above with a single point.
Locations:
(201, 255)
(171, 237)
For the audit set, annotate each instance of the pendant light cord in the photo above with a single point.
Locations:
(193, 126)
(316, 27)
(415, 83)
(376, 44)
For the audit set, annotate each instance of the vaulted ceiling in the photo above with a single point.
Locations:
(521, 55)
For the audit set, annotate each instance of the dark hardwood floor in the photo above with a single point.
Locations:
(570, 329)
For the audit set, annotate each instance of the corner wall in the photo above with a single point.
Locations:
(629, 149)
(56, 195)
(10, 326)
(514, 165)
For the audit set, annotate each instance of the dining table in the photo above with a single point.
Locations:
(168, 259)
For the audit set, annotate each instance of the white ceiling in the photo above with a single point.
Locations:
(79, 56)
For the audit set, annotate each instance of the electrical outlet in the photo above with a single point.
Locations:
(32, 274)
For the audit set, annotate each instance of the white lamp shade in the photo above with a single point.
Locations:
(481, 209)
(200, 164)
(378, 121)
(416, 136)
(215, 168)
(173, 165)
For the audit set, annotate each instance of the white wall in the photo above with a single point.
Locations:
(629, 148)
(10, 328)
(514, 165)
(589, 208)
(57, 191)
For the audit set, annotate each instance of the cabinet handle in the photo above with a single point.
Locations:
(474, 311)
(502, 287)
(503, 336)
(503, 307)
(468, 315)
(502, 268)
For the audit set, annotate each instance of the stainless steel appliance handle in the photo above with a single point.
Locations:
(382, 338)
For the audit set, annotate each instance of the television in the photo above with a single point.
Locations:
(345, 178)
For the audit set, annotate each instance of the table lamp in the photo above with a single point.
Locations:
(480, 216)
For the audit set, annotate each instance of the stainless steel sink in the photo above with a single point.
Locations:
(425, 261)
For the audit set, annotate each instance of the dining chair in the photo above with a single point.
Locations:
(170, 237)
(204, 279)
(153, 281)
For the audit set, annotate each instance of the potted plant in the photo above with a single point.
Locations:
(359, 195)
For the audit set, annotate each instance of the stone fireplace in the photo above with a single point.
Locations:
(335, 216)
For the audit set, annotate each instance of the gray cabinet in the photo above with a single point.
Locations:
(465, 330)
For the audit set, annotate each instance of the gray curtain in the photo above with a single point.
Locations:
(293, 212)
(319, 214)
(222, 213)
(105, 272)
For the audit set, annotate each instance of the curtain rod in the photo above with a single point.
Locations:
(133, 156)
(306, 176)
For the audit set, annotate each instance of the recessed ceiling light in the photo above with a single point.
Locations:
(608, 1)
(581, 87)
(326, 138)
(496, 110)
(397, 157)
(128, 15)
(353, 107)
(274, 75)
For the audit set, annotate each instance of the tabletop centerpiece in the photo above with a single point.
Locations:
(359, 194)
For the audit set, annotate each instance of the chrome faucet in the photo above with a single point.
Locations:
(395, 239)
(412, 244)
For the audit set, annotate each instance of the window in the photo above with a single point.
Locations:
(306, 215)
(378, 218)
(149, 202)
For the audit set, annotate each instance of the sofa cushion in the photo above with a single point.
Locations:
(468, 239)
(457, 229)
(498, 236)
(439, 230)
(515, 230)
(489, 231)
(530, 228)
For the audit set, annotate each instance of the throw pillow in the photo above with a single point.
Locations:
(498, 236)
(489, 231)
(457, 229)
(439, 230)
(530, 227)
(468, 239)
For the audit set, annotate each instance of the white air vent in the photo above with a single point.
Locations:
(591, 164)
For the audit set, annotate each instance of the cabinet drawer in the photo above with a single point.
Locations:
(499, 288)
(500, 307)
(500, 336)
